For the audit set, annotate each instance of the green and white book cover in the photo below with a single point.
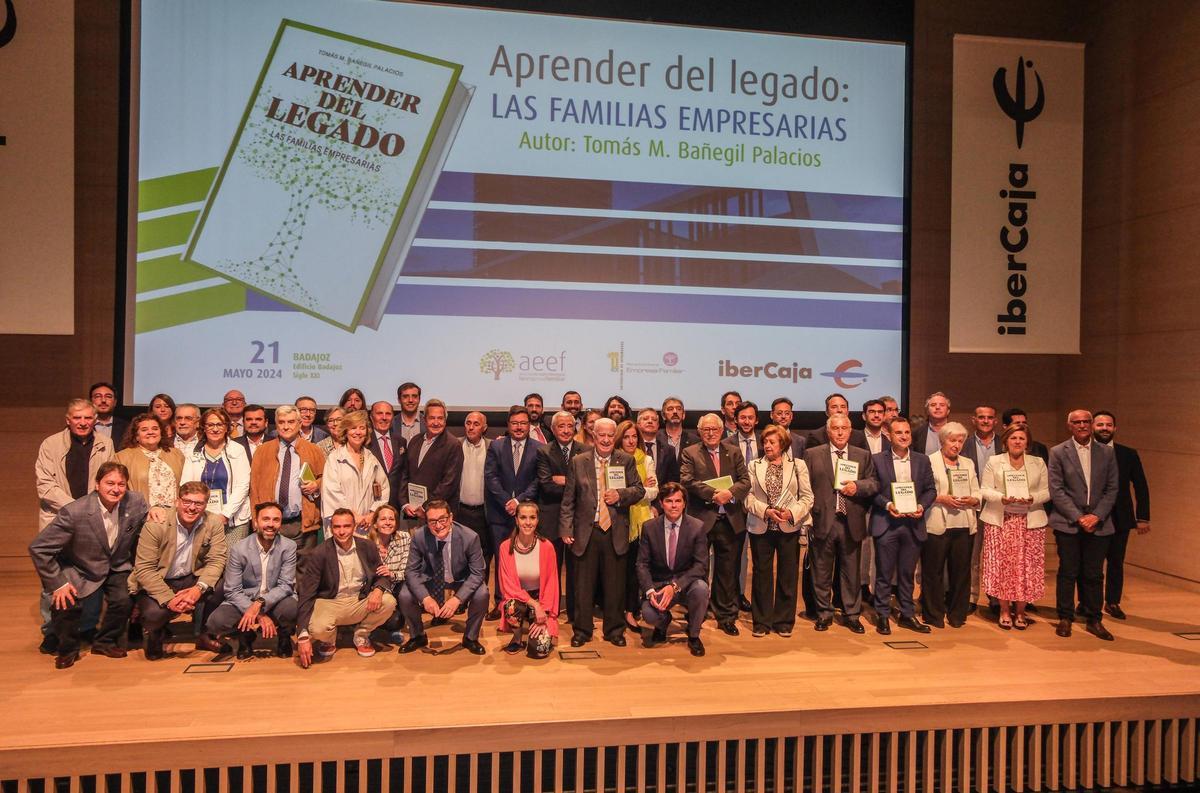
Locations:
(324, 184)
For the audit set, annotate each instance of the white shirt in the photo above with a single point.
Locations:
(350, 579)
(833, 457)
(105, 428)
(111, 524)
(470, 485)
(903, 466)
(181, 564)
(875, 442)
(426, 442)
(264, 556)
(187, 445)
(1085, 462)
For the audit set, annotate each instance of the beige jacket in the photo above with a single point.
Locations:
(156, 549)
(53, 489)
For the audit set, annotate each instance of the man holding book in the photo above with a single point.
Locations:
(287, 470)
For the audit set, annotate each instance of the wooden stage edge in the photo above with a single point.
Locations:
(116, 716)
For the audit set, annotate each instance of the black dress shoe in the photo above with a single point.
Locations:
(654, 638)
(473, 647)
(743, 604)
(65, 661)
(823, 624)
(514, 646)
(1097, 629)
(1031, 607)
(956, 623)
(729, 628)
(855, 625)
(414, 644)
(882, 627)
(913, 624)
(578, 640)
(493, 615)
(208, 644)
(935, 623)
(108, 651)
(283, 646)
(617, 641)
(696, 647)
(1114, 610)
(1064, 628)
(866, 594)
(49, 645)
(971, 609)
(152, 645)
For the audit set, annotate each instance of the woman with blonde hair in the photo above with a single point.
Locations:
(353, 477)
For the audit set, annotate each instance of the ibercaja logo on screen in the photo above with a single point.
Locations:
(541, 366)
(769, 370)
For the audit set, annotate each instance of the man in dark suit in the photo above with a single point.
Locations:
(340, 584)
(434, 461)
(720, 510)
(1083, 488)
(666, 460)
(749, 442)
(836, 405)
(873, 416)
(672, 567)
(1126, 516)
(389, 448)
(309, 430)
(509, 477)
(88, 550)
(898, 535)
(729, 405)
(104, 397)
(538, 429)
(781, 415)
(839, 523)
(553, 460)
(672, 433)
(256, 431)
(1018, 417)
(981, 446)
(594, 522)
(937, 413)
(443, 555)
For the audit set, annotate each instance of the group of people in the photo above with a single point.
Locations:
(384, 523)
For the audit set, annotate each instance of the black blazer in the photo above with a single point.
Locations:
(686, 439)
(551, 463)
(399, 495)
(696, 467)
(666, 461)
(1129, 472)
(320, 576)
(441, 470)
(691, 555)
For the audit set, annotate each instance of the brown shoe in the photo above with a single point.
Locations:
(108, 651)
(208, 644)
(1097, 629)
(1064, 628)
(65, 661)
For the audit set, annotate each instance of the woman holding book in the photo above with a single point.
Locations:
(778, 506)
(948, 527)
(354, 478)
(1012, 566)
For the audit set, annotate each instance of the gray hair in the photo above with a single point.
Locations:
(283, 411)
(562, 414)
(606, 422)
(841, 416)
(950, 429)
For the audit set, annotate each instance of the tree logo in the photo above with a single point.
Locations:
(497, 362)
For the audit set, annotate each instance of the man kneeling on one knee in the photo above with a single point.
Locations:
(340, 584)
(444, 555)
(672, 566)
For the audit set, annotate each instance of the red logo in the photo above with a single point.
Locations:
(846, 374)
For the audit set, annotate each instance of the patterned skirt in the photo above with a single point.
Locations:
(1013, 561)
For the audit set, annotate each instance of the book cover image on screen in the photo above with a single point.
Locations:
(329, 172)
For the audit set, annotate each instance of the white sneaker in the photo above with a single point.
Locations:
(363, 646)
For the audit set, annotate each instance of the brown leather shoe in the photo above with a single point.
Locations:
(1097, 629)
(108, 651)
(208, 644)
(65, 661)
(1064, 628)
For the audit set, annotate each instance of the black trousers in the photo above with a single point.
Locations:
(835, 558)
(1080, 563)
(117, 605)
(948, 595)
(566, 574)
(725, 544)
(156, 616)
(633, 598)
(1114, 567)
(225, 617)
(474, 519)
(775, 560)
(600, 563)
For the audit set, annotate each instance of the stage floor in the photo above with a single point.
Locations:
(831, 678)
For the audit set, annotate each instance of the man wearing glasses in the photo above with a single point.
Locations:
(235, 405)
(309, 430)
(178, 567)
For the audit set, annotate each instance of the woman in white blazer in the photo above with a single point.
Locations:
(353, 477)
(1012, 565)
(778, 507)
(225, 468)
(949, 526)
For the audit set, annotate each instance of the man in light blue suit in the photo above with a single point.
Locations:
(898, 535)
(1083, 489)
(260, 588)
(510, 476)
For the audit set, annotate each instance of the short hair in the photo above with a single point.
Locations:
(672, 399)
(562, 414)
(567, 394)
(888, 398)
(349, 392)
(781, 401)
(647, 410)
(929, 399)
(897, 420)
(341, 511)
(729, 394)
(255, 408)
(130, 439)
(841, 416)
(108, 467)
(436, 503)
(670, 489)
(283, 411)
(199, 412)
(101, 384)
(435, 403)
(606, 421)
(984, 405)
(1009, 431)
(306, 396)
(870, 402)
(747, 405)
(833, 396)
(1108, 413)
(778, 433)
(354, 418)
(75, 404)
(407, 386)
(517, 410)
(338, 433)
(188, 488)
(534, 395)
(373, 531)
(713, 416)
(260, 506)
(219, 413)
(949, 429)
(1007, 416)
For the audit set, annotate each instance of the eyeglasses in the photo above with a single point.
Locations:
(307, 410)
(214, 426)
(189, 504)
(235, 400)
(442, 521)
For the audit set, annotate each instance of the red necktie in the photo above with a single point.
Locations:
(386, 443)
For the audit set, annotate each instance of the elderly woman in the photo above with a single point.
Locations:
(528, 585)
(628, 441)
(393, 544)
(154, 464)
(778, 506)
(1013, 561)
(163, 407)
(353, 477)
(225, 468)
(352, 399)
(337, 436)
(946, 553)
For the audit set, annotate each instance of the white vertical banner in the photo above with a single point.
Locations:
(37, 166)
(1016, 196)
